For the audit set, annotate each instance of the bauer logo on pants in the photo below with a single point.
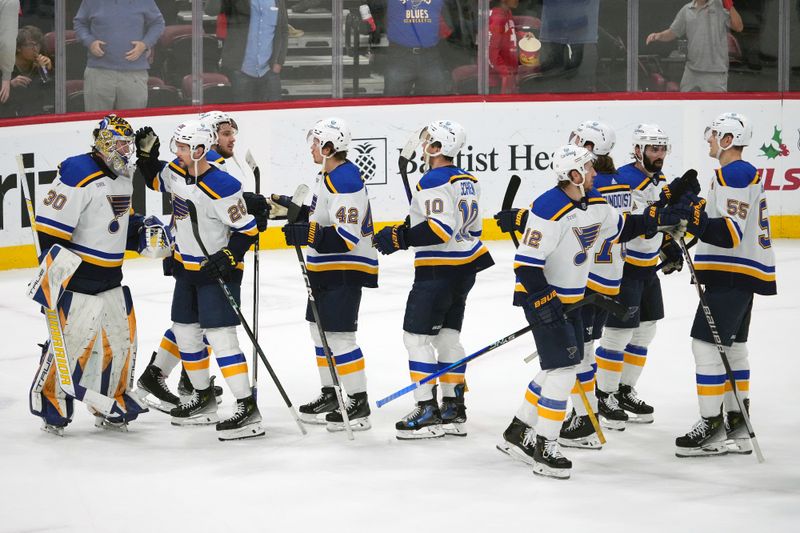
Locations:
(369, 155)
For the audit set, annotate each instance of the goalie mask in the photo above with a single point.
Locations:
(450, 135)
(114, 142)
(600, 135)
(330, 130)
(734, 124)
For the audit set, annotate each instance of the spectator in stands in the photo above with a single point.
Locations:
(119, 35)
(255, 46)
(705, 24)
(569, 36)
(414, 63)
(32, 88)
(9, 19)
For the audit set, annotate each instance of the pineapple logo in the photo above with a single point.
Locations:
(371, 160)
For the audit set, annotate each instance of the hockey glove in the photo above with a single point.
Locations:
(662, 219)
(547, 308)
(257, 206)
(147, 143)
(390, 239)
(511, 220)
(671, 194)
(278, 206)
(670, 255)
(694, 212)
(303, 233)
(219, 264)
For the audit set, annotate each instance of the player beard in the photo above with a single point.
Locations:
(652, 165)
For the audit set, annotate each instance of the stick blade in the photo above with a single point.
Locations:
(298, 198)
(511, 191)
(250, 160)
(411, 145)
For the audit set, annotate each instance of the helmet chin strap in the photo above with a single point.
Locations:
(720, 149)
(581, 189)
(426, 156)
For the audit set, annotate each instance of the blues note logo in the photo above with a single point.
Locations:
(586, 236)
(120, 203)
(180, 209)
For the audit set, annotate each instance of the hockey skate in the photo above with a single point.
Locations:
(424, 422)
(244, 424)
(53, 429)
(738, 436)
(518, 441)
(454, 414)
(638, 412)
(110, 424)
(315, 411)
(153, 389)
(548, 460)
(357, 413)
(578, 432)
(185, 388)
(611, 415)
(200, 410)
(707, 437)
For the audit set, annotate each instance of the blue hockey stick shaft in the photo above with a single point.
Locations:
(451, 366)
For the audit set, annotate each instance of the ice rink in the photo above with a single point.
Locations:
(161, 478)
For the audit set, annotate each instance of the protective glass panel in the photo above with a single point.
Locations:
(574, 46)
(28, 81)
(712, 46)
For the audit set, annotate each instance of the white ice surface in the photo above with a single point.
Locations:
(162, 478)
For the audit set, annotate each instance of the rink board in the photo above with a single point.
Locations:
(503, 138)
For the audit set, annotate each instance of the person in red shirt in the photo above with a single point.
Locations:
(503, 58)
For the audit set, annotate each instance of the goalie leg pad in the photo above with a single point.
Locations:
(421, 363)
(449, 350)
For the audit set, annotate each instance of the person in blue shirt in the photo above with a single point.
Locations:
(118, 35)
(255, 47)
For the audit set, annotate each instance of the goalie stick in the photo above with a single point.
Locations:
(291, 216)
(238, 310)
(712, 325)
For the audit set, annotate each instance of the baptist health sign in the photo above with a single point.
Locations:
(502, 139)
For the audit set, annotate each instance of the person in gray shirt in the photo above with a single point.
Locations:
(118, 35)
(705, 25)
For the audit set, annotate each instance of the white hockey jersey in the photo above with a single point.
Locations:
(642, 252)
(88, 206)
(605, 274)
(341, 201)
(448, 200)
(561, 238)
(737, 196)
(220, 206)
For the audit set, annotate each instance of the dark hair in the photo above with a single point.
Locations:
(604, 164)
(437, 144)
(29, 33)
(337, 156)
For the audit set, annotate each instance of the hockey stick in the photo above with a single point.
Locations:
(508, 200)
(405, 158)
(451, 366)
(253, 166)
(712, 325)
(291, 217)
(238, 310)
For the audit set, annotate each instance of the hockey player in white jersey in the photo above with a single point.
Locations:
(444, 226)
(561, 234)
(622, 350)
(166, 357)
(337, 228)
(734, 260)
(87, 212)
(199, 306)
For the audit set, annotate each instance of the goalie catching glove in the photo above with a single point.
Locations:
(147, 143)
